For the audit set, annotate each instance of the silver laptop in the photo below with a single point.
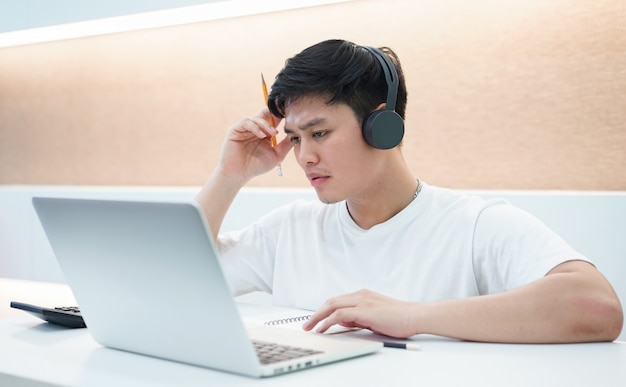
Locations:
(147, 279)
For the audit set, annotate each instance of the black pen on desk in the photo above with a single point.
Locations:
(407, 346)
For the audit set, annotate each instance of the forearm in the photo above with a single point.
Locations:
(562, 307)
(215, 198)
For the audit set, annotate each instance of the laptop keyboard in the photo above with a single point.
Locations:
(272, 353)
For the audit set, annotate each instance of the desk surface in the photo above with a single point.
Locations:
(36, 353)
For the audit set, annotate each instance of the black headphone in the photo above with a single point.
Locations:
(384, 129)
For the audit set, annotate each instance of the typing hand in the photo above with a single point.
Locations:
(365, 309)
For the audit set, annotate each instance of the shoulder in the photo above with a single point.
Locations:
(446, 201)
(495, 214)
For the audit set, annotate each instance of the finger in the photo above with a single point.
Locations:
(346, 317)
(269, 117)
(249, 126)
(329, 307)
(318, 316)
(313, 320)
(275, 121)
(265, 127)
(283, 148)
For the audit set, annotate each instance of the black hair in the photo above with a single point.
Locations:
(341, 72)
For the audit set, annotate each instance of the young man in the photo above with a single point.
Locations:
(383, 250)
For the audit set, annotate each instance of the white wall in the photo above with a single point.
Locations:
(592, 222)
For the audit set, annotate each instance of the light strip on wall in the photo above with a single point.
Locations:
(155, 19)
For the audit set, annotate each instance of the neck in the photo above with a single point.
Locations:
(383, 202)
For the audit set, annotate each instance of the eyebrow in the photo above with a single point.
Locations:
(314, 122)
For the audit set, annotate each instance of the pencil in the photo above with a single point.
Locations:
(408, 346)
(265, 95)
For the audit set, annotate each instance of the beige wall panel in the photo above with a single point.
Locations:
(502, 94)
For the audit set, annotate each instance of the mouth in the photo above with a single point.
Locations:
(317, 180)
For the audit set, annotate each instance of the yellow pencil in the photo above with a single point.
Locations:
(265, 95)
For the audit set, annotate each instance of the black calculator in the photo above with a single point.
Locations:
(67, 316)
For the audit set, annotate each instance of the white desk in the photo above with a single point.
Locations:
(34, 353)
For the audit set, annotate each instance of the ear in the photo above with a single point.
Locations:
(382, 106)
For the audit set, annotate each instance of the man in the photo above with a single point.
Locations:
(382, 250)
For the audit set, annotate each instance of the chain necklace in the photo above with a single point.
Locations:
(418, 190)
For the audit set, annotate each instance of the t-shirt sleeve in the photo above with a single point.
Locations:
(247, 256)
(512, 248)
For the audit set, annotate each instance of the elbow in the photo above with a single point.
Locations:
(605, 322)
(615, 321)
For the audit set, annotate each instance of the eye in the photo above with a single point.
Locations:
(319, 134)
(295, 139)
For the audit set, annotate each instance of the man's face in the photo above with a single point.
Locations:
(330, 148)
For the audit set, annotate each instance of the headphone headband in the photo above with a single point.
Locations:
(391, 76)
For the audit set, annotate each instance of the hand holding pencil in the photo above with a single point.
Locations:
(265, 95)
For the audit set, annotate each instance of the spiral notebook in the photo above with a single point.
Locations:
(290, 318)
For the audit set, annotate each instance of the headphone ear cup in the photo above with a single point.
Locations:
(383, 129)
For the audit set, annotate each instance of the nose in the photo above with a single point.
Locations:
(306, 153)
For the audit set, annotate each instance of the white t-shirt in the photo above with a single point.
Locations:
(443, 245)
